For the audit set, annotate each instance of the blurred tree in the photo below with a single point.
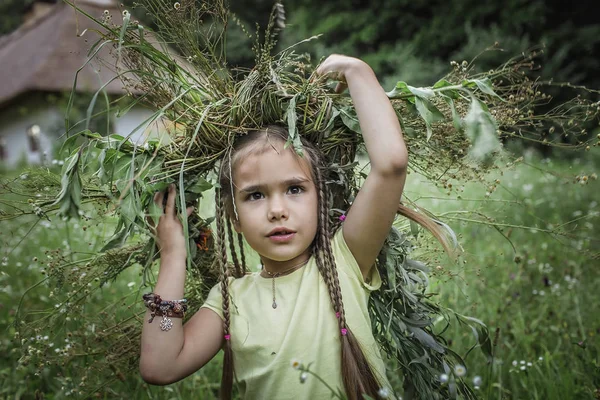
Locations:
(414, 39)
(11, 14)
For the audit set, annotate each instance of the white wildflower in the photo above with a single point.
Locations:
(384, 393)
(460, 370)
(296, 364)
(444, 378)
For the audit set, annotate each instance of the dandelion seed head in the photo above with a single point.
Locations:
(477, 381)
(384, 393)
(444, 378)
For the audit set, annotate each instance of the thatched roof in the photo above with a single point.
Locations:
(46, 51)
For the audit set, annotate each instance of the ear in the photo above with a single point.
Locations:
(236, 225)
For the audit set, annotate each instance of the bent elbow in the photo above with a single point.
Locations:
(153, 377)
(396, 164)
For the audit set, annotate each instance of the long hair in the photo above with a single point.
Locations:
(357, 375)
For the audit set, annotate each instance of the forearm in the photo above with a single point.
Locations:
(159, 349)
(378, 121)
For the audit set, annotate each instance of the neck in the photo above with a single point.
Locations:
(279, 269)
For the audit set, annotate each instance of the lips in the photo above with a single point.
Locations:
(281, 231)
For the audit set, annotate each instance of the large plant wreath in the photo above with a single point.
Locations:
(454, 128)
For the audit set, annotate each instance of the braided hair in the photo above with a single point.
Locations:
(358, 376)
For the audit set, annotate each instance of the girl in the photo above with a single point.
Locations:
(310, 300)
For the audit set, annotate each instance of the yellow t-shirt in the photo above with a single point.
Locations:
(303, 326)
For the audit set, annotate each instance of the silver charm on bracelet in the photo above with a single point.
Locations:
(166, 323)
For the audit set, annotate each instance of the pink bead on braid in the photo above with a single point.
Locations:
(344, 331)
(343, 217)
(227, 337)
(337, 315)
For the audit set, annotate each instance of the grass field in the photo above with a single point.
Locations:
(537, 291)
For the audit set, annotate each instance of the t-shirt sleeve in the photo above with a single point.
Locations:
(214, 300)
(347, 263)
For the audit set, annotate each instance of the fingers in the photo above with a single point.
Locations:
(340, 87)
(189, 210)
(170, 207)
(158, 198)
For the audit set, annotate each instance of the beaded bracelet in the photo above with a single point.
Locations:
(166, 309)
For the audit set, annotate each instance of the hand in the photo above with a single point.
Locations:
(341, 68)
(169, 232)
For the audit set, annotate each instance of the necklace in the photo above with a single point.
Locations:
(274, 275)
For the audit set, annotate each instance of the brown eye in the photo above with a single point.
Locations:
(255, 196)
(296, 190)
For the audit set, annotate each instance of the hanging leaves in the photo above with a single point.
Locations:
(69, 197)
(481, 129)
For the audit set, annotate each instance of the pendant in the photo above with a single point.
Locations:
(274, 305)
(166, 324)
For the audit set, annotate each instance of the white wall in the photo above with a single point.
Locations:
(17, 118)
(13, 129)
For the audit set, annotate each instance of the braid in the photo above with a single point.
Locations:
(242, 254)
(227, 378)
(322, 239)
(234, 258)
(357, 374)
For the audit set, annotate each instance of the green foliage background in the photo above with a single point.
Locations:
(502, 277)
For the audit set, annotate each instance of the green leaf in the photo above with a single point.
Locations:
(428, 112)
(426, 339)
(456, 119)
(442, 83)
(481, 130)
(401, 89)
(292, 117)
(69, 197)
(117, 240)
(390, 267)
(201, 185)
(334, 114)
(485, 85)
(414, 229)
(418, 265)
(349, 118)
(426, 93)
(424, 359)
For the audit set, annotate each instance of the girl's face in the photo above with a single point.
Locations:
(276, 202)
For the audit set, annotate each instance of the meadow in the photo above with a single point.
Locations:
(528, 269)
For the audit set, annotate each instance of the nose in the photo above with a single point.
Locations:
(277, 209)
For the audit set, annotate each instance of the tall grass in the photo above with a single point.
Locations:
(537, 291)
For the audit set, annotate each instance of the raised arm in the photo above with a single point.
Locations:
(369, 220)
(168, 356)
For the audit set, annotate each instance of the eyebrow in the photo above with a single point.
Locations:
(288, 182)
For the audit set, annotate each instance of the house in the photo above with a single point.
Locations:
(38, 63)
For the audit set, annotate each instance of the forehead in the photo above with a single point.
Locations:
(269, 164)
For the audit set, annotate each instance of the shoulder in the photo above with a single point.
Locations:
(214, 300)
(347, 264)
